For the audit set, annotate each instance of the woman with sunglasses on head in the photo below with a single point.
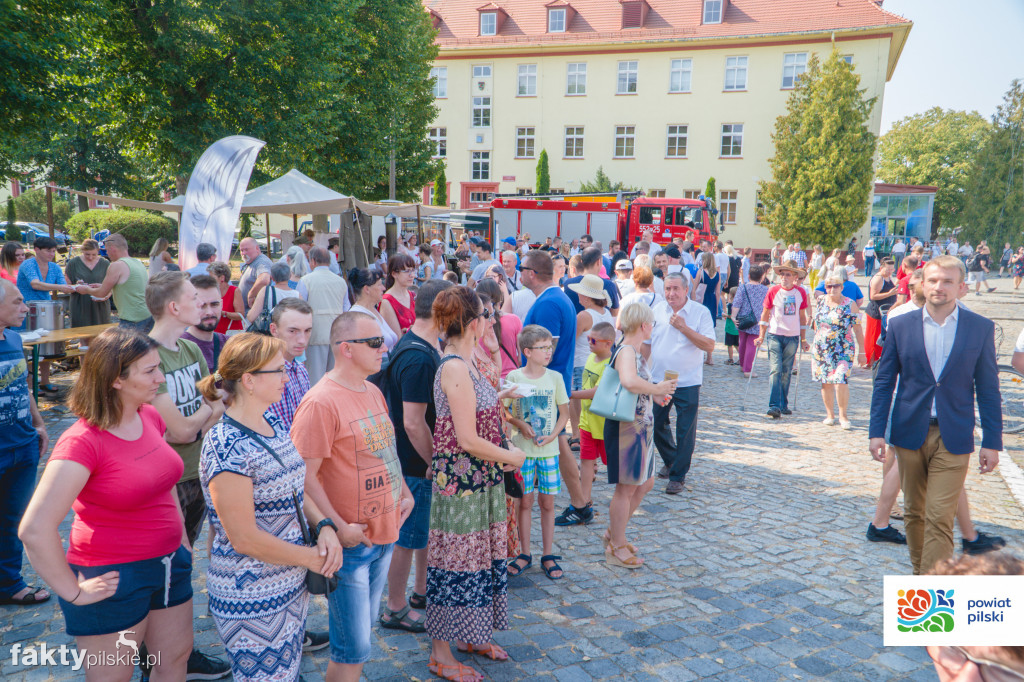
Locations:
(252, 476)
(367, 287)
(399, 311)
(835, 324)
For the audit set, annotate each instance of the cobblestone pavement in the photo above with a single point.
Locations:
(759, 571)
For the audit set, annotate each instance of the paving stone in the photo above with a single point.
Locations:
(815, 666)
(573, 673)
(704, 666)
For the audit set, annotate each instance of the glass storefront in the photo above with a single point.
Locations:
(901, 216)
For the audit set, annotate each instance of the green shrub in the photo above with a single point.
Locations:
(32, 208)
(140, 228)
(13, 231)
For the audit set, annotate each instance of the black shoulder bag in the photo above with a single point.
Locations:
(262, 323)
(315, 582)
(747, 319)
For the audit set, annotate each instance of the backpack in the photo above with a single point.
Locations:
(382, 378)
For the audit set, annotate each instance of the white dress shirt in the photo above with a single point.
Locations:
(670, 349)
(938, 341)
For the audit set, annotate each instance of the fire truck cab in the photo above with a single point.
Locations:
(691, 219)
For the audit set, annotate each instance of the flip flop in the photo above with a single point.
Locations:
(27, 599)
(399, 620)
(519, 570)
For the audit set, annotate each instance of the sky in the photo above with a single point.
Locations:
(961, 54)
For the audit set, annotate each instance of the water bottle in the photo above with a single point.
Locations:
(536, 422)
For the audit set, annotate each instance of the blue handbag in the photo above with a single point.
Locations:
(611, 400)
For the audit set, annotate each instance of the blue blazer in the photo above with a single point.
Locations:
(970, 371)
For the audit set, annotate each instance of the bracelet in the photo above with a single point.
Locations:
(77, 595)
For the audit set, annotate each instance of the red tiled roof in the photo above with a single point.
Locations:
(599, 21)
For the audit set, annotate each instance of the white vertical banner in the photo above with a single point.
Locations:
(213, 199)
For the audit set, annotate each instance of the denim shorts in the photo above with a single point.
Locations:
(143, 586)
(353, 607)
(545, 471)
(577, 378)
(416, 529)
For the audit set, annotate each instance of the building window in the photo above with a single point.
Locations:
(793, 65)
(488, 23)
(727, 207)
(848, 58)
(24, 186)
(527, 80)
(679, 80)
(574, 142)
(482, 71)
(676, 146)
(524, 143)
(556, 20)
(439, 139)
(576, 79)
(732, 139)
(555, 190)
(627, 78)
(481, 197)
(481, 165)
(657, 193)
(440, 76)
(524, 191)
(735, 73)
(625, 137)
(481, 112)
(430, 195)
(691, 193)
(713, 11)
(758, 209)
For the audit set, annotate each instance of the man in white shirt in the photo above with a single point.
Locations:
(683, 333)
(722, 263)
(899, 250)
(512, 275)
(966, 251)
(648, 236)
(953, 248)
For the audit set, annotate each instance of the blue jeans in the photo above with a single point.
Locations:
(17, 481)
(415, 532)
(781, 352)
(677, 452)
(869, 265)
(353, 607)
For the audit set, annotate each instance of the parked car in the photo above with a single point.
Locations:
(31, 231)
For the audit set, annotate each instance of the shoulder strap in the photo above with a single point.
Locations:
(255, 436)
(216, 350)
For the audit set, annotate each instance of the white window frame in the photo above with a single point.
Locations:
(627, 70)
(440, 76)
(727, 206)
(488, 23)
(526, 81)
(680, 75)
(480, 165)
(713, 10)
(430, 195)
(656, 193)
(676, 132)
(575, 134)
(736, 72)
(556, 26)
(794, 65)
(481, 71)
(527, 136)
(576, 76)
(439, 139)
(627, 135)
(734, 131)
(484, 109)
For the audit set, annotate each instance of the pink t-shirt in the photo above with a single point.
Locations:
(127, 510)
(511, 325)
(786, 305)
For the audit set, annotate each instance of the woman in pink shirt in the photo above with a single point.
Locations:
(127, 572)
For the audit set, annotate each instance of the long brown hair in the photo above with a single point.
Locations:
(454, 309)
(242, 354)
(110, 357)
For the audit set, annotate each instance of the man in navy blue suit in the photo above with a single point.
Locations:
(943, 358)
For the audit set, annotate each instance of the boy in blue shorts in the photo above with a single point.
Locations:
(538, 418)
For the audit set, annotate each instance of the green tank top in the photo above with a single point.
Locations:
(130, 297)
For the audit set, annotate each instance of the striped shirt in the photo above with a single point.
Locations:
(297, 386)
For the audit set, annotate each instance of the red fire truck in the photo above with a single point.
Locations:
(571, 217)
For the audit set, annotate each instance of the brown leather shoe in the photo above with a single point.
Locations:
(674, 488)
(663, 473)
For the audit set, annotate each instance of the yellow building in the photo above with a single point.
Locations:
(660, 93)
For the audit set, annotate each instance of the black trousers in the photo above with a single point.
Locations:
(677, 450)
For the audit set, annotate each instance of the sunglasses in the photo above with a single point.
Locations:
(592, 340)
(833, 286)
(485, 314)
(372, 341)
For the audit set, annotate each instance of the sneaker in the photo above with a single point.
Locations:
(991, 289)
(774, 413)
(977, 293)
(787, 411)
(203, 667)
(887, 534)
(983, 543)
(571, 516)
(314, 641)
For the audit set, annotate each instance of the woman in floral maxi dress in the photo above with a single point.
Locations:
(466, 578)
(835, 325)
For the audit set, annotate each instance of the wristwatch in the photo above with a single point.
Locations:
(319, 526)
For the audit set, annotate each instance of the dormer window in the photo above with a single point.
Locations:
(634, 13)
(556, 20)
(713, 10)
(488, 23)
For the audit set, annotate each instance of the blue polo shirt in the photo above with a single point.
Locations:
(850, 290)
(553, 310)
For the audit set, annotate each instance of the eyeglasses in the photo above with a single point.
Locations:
(268, 371)
(953, 659)
(372, 341)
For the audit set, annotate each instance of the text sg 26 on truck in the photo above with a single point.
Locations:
(691, 219)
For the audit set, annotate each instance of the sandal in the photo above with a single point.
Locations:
(490, 650)
(27, 599)
(630, 562)
(514, 564)
(606, 541)
(399, 620)
(574, 444)
(459, 674)
(48, 389)
(418, 601)
(548, 570)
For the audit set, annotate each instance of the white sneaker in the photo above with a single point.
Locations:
(845, 424)
(828, 421)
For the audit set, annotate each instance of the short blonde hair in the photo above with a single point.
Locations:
(834, 278)
(948, 263)
(634, 315)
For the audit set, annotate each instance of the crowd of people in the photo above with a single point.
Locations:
(339, 432)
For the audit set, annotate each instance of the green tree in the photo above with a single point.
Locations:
(822, 167)
(440, 186)
(602, 183)
(543, 174)
(710, 191)
(995, 191)
(937, 148)
(32, 208)
(12, 232)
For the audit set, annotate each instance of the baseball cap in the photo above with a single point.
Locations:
(435, 242)
(511, 241)
(624, 264)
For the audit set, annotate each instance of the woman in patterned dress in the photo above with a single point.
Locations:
(629, 445)
(1017, 262)
(835, 324)
(258, 563)
(466, 580)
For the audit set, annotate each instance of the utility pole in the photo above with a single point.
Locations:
(391, 175)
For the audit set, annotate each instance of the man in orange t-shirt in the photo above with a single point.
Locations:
(343, 431)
